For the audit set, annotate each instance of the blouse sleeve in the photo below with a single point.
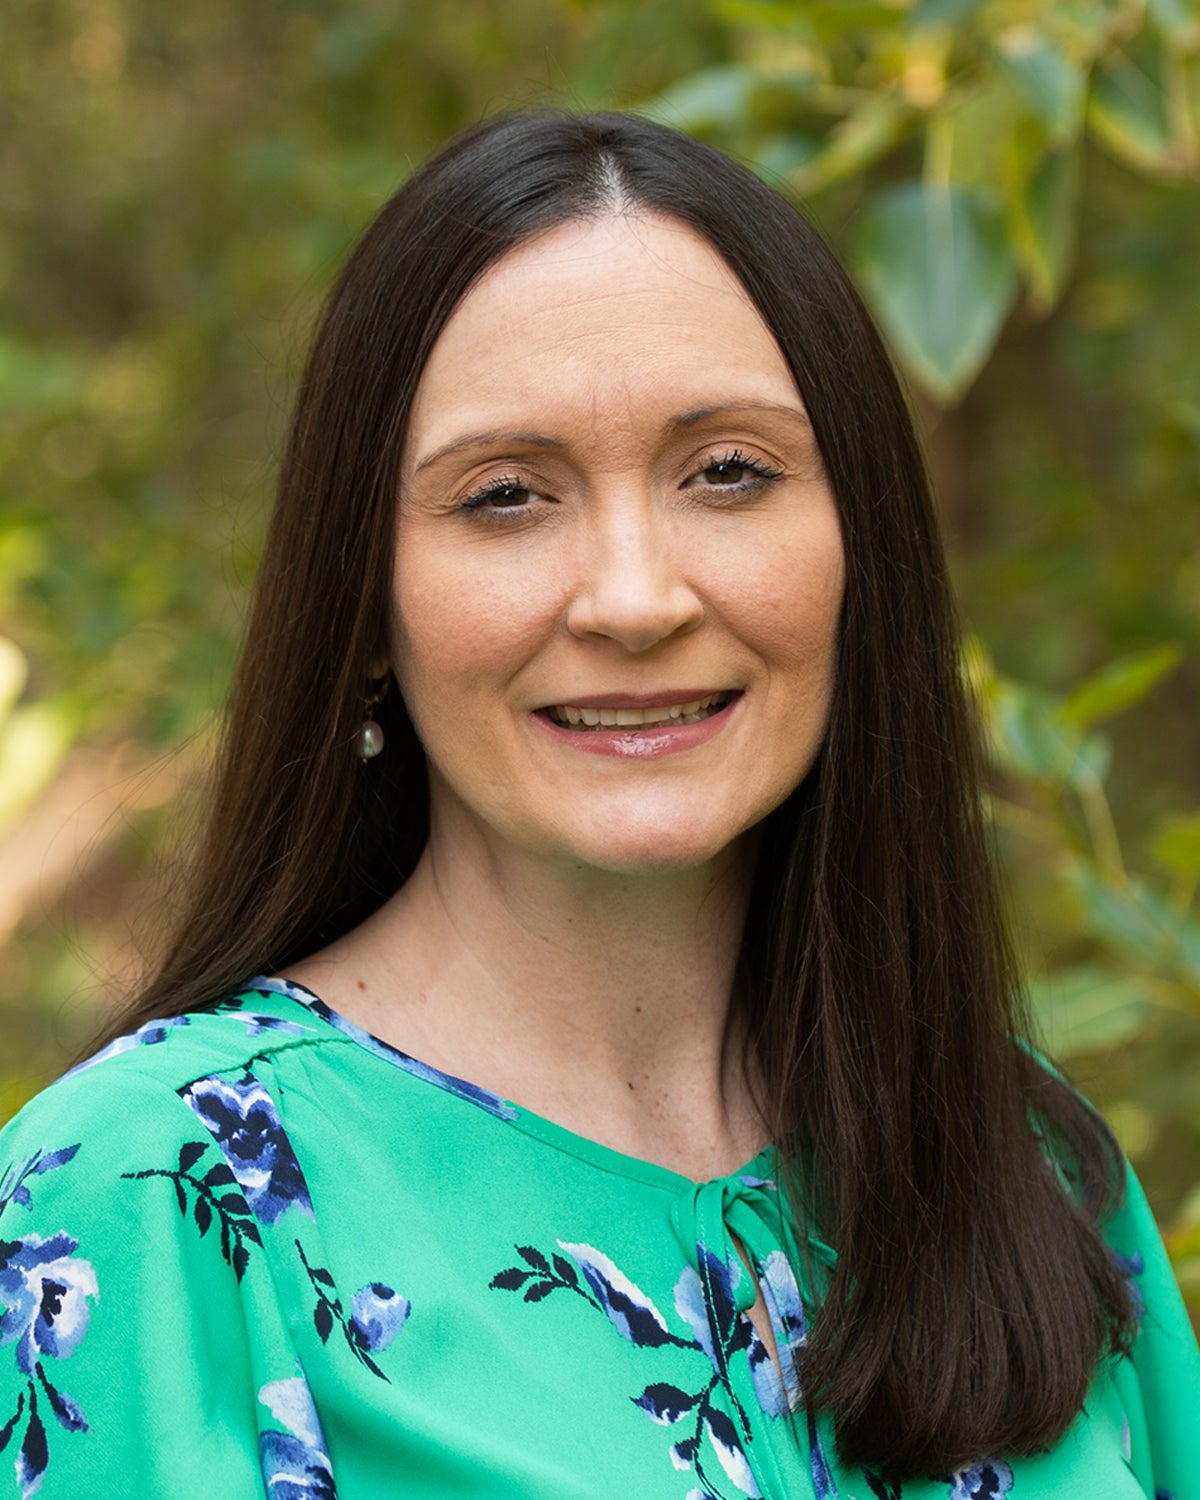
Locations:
(128, 1288)
(1160, 1384)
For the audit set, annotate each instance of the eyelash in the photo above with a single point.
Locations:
(758, 475)
(477, 500)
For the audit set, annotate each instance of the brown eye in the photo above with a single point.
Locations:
(508, 494)
(505, 494)
(731, 472)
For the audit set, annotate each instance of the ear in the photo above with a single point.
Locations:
(379, 665)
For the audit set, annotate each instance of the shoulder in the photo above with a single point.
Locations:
(136, 1092)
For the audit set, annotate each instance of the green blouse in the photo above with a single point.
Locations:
(259, 1252)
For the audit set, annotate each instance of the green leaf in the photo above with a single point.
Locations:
(1178, 20)
(857, 140)
(1119, 685)
(1135, 920)
(938, 267)
(1127, 112)
(780, 158)
(1052, 82)
(1177, 844)
(1042, 215)
(929, 13)
(1089, 1009)
(713, 97)
(1030, 739)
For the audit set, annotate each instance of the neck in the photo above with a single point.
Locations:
(600, 1000)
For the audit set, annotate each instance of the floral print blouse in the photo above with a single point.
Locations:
(258, 1252)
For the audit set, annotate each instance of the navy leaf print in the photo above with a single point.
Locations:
(722, 1434)
(6, 1431)
(228, 1208)
(377, 1313)
(628, 1308)
(683, 1454)
(12, 1186)
(635, 1317)
(190, 1154)
(565, 1269)
(822, 1476)
(53, 1159)
(665, 1403)
(511, 1280)
(34, 1454)
(323, 1318)
(66, 1410)
(243, 1120)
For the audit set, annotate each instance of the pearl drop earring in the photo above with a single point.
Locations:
(369, 740)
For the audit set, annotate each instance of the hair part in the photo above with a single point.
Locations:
(973, 1296)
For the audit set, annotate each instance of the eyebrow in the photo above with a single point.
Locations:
(484, 439)
(704, 413)
(542, 440)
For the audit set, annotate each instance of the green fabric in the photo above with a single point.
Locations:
(227, 1215)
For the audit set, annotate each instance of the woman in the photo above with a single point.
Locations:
(598, 739)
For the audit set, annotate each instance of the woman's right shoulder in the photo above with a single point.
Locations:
(133, 1089)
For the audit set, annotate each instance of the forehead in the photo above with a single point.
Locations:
(611, 313)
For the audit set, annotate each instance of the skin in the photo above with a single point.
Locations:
(610, 487)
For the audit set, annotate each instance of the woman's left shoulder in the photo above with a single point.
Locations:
(1159, 1382)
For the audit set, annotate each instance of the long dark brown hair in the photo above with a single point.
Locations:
(973, 1295)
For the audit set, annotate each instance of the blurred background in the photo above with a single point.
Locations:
(1014, 185)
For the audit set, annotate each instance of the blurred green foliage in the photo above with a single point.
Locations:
(1014, 187)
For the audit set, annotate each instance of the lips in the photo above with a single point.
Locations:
(595, 715)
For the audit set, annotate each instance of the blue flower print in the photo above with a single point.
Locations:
(46, 1294)
(13, 1186)
(627, 1308)
(295, 1463)
(786, 1311)
(702, 1429)
(148, 1035)
(1131, 1267)
(242, 1117)
(377, 1314)
(988, 1479)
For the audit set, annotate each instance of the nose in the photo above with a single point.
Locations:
(631, 586)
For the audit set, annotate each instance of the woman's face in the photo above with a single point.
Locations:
(618, 560)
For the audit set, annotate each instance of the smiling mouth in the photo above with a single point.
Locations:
(567, 716)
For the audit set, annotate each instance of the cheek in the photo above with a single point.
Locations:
(460, 631)
(791, 605)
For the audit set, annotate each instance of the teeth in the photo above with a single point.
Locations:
(636, 718)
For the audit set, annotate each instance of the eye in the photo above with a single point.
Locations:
(735, 473)
(507, 494)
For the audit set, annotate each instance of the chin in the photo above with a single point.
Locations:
(678, 845)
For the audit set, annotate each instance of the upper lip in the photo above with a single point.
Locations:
(640, 700)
